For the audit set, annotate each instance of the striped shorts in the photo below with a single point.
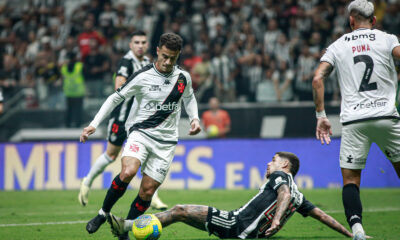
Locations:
(222, 224)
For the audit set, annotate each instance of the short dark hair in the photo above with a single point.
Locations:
(171, 40)
(138, 33)
(293, 159)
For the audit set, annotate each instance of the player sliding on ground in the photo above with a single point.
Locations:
(263, 216)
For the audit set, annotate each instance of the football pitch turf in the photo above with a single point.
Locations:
(58, 215)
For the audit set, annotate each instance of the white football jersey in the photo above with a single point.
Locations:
(158, 98)
(366, 74)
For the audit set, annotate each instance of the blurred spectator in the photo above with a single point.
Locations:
(48, 76)
(201, 81)
(221, 71)
(96, 65)
(268, 88)
(216, 121)
(74, 89)
(305, 71)
(70, 46)
(188, 58)
(24, 26)
(284, 76)
(86, 36)
(9, 75)
(107, 20)
(255, 76)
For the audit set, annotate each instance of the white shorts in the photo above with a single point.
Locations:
(155, 156)
(358, 137)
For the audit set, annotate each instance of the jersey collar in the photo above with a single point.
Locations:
(167, 75)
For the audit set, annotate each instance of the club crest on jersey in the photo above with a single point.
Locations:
(134, 148)
(181, 85)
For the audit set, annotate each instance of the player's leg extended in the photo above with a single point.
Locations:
(130, 166)
(193, 215)
(351, 199)
(98, 167)
(148, 186)
(354, 148)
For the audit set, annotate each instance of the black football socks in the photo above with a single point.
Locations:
(116, 190)
(352, 204)
(138, 207)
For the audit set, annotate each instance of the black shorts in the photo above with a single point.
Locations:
(222, 224)
(116, 132)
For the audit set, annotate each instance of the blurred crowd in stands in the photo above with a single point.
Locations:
(236, 50)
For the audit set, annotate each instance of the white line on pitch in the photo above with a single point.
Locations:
(368, 210)
(37, 224)
(76, 222)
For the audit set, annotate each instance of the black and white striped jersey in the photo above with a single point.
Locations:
(256, 216)
(126, 67)
(157, 106)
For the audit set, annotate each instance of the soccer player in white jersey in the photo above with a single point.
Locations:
(159, 90)
(368, 82)
(134, 60)
(263, 216)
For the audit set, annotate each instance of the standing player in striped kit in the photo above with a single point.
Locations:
(263, 216)
(159, 90)
(368, 81)
(132, 62)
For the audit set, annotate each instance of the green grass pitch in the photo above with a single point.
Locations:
(58, 215)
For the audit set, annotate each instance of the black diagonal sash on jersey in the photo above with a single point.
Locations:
(160, 115)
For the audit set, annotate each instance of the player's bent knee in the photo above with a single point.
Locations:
(127, 174)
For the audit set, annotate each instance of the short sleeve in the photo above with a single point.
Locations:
(131, 87)
(277, 179)
(125, 68)
(305, 207)
(189, 89)
(329, 56)
(392, 42)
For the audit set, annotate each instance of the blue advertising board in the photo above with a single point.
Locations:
(198, 164)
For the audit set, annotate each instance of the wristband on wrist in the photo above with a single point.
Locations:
(321, 114)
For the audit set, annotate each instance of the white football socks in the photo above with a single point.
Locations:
(98, 167)
(357, 227)
(128, 225)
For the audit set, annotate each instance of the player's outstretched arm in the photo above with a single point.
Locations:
(282, 204)
(329, 221)
(323, 130)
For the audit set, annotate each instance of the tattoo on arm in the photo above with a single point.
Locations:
(282, 201)
(329, 221)
(326, 69)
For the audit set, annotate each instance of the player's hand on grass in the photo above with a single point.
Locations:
(194, 127)
(324, 130)
(275, 227)
(87, 131)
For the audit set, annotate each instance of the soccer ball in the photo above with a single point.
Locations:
(212, 131)
(147, 227)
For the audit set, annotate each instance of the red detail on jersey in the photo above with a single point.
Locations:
(116, 187)
(181, 87)
(115, 128)
(134, 148)
(361, 48)
(140, 208)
